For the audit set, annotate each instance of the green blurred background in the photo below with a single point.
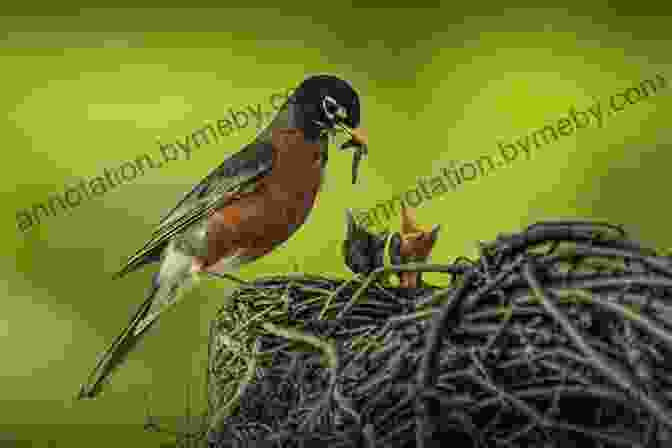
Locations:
(87, 89)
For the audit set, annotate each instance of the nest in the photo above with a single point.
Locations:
(557, 336)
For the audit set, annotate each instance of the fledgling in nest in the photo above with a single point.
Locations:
(363, 252)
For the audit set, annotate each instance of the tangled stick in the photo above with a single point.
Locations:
(583, 336)
(558, 336)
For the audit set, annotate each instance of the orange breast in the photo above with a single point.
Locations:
(259, 221)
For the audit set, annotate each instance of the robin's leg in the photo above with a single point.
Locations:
(223, 275)
(198, 267)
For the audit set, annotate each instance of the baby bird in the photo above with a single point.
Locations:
(363, 251)
(416, 245)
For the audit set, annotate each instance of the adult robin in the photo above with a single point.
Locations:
(365, 252)
(247, 206)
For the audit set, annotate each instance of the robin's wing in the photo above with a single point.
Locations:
(253, 160)
(237, 174)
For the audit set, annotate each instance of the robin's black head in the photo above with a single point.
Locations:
(325, 104)
(325, 99)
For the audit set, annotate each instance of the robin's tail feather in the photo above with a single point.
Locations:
(168, 286)
(116, 354)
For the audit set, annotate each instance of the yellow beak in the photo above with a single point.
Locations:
(360, 136)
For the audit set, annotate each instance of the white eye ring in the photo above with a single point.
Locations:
(332, 109)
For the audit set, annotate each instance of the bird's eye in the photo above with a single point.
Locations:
(329, 103)
(332, 109)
